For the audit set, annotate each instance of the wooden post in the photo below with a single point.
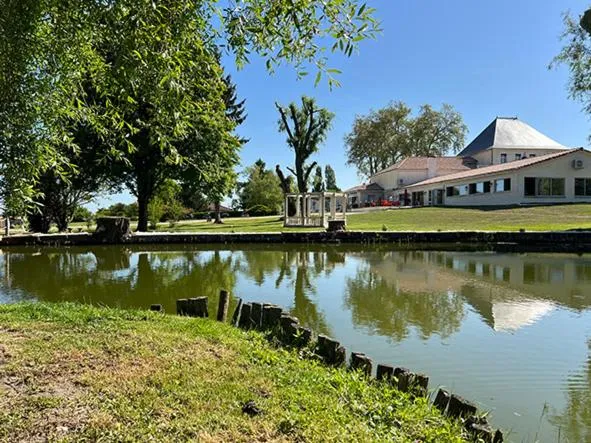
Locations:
(256, 315)
(360, 361)
(384, 372)
(460, 407)
(340, 357)
(199, 307)
(156, 308)
(182, 306)
(304, 336)
(404, 378)
(236, 312)
(271, 316)
(421, 383)
(192, 307)
(223, 304)
(289, 326)
(441, 400)
(244, 321)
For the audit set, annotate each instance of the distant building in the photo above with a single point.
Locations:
(509, 163)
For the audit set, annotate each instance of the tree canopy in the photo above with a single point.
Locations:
(306, 128)
(143, 73)
(388, 135)
(261, 189)
(576, 55)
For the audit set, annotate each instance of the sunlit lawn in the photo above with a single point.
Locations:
(540, 218)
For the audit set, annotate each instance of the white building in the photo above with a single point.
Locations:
(509, 163)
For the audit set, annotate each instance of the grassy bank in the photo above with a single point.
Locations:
(77, 373)
(540, 218)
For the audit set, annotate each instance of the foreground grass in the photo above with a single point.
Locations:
(77, 373)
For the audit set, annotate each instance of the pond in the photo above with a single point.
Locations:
(511, 332)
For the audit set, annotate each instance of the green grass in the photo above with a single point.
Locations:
(78, 373)
(536, 218)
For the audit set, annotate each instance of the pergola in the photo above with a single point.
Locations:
(314, 209)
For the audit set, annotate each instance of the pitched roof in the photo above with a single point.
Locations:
(509, 132)
(494, 169)
(365, 187)
(422, 163)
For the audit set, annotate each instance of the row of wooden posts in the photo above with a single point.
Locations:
(286, 328)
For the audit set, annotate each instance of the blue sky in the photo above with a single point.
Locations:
(487, 59)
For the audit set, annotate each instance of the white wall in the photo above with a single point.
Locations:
(390, 180)
(557, 168)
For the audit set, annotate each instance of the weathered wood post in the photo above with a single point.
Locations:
(460, 407)
(244, 320)
(182, 306)
(362, 362)
(304, 336)
(271, 316)
(289, 327)
(441, 400)
(421, 384)
(198, 307)
(156, 308)
(404, 378)
(384, 372)
(223, 305)
(237, 312)
(256, 315)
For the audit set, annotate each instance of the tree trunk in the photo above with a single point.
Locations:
(142, 221)
(218, 215)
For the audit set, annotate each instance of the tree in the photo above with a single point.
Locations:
(154, 68)
(390, 134)
(435, 133)
(330, 179)
(308, 129)
(379, 139)
(318, 185)
(261, 188)
(576, 55)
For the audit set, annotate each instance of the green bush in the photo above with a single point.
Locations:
(260, 210)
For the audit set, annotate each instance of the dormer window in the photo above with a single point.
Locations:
(503, 158)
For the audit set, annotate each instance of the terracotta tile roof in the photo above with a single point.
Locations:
(365, 187)
(423, 163)
(494, 169)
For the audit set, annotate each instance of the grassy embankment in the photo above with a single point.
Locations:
(78, 373)
(538, 218)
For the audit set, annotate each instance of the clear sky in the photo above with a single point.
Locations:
(487, 59)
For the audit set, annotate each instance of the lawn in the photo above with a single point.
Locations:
(534, 218)
(79, 373)
(538, 218)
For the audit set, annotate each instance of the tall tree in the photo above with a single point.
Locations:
(306, 128)
(576, 55)
(151, 63)
(261, 188)
(379, 139)
(330, 179)
(318, 185)
(388, 135)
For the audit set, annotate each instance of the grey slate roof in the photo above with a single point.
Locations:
(509, 132)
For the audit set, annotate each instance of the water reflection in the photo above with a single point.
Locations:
(519, 324)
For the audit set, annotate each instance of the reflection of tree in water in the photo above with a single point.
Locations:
(105, 276)
(300, 268)
(575, 421)
(389, 311)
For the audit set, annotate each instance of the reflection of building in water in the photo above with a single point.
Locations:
(508, 291)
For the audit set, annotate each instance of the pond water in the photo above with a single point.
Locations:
(511, 332)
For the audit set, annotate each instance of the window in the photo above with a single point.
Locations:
(503, 158)
(517, 156)
(479, 188)
(544, 187)
(582, 187)
(532, 155)
(502, 185)
(454, 191)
